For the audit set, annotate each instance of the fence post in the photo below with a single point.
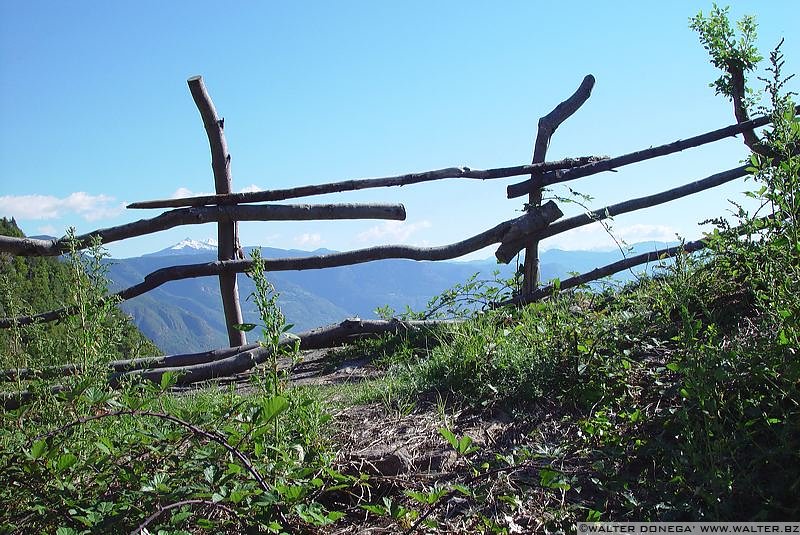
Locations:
(227, 230)
(547, 126)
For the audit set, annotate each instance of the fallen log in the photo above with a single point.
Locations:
(219, 363)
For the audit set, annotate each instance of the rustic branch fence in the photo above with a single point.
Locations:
(539, 222)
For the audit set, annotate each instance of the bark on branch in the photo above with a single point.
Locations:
(644, 202)
(323, 337)
(547, 127)
(605, 271)
(554, 177)
(206, 214)
(227, 229)
(219, 363)
(365, 183)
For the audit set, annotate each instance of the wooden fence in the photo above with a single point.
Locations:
(226, 208)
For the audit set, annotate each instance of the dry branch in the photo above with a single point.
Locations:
(167, 361)
(206, 214)
(605, 271)
(323, 337)
(365, 183)
(547, 127)
(499, 233)
(532, 222)
(553, 177)
(227, 228)
(219, 363)
(643, 202)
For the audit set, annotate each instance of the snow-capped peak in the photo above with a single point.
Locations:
(208, 245)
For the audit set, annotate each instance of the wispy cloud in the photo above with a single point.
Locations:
(643, 232)
(50, 230)
(393, 231)
(37, 207)
(308, 238)
(595, 238)
(249, 189)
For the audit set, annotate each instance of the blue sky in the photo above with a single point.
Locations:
(96, 111)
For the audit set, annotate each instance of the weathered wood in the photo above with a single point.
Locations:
(521, 229)
(365, 183)
(227, 229)
(605, 271)
(643, 202)
(206, 214)
(196, 367)
(554, 177)
(525, 223)
(496, 234)
(323, 337)
(547, 127)
(165, 361)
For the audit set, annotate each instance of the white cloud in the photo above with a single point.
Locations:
(307, 238)
(249, 189)
(643, 232)
(595, 238)
(50, 230)
(183, 192)
(90, 207)
(392, 232)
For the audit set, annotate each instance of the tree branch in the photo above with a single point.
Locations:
(554, 177)
(547, 127)
(365, 183)
(227, 229)
(206, 214)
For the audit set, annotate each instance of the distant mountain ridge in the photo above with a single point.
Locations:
(186, 315)
(187, 246)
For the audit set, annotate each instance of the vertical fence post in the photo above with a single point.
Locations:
(227, 230)
(547, 126)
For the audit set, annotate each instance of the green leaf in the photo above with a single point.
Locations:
(244, 327)
(271, 408)
(180, 517)
(65, 461)
(39, 449)
(104, 444)
(449, 436)
(168, 379)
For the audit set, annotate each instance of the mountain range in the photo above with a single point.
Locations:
(185, 316)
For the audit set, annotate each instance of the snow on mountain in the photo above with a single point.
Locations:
(188, 246)
(207, 245)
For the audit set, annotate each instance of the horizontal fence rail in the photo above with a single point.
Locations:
(608, 164)
(512, 235)
(227, 209)
(366, 183)
(205, 214)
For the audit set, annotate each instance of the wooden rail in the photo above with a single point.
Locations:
(539, 222)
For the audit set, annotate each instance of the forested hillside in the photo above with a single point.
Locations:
(38, 284)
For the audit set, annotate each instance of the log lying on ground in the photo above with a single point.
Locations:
(364, 183)
(206, 214)
(323, 337)
(165, 361)
(532, 222)
(220, 363)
